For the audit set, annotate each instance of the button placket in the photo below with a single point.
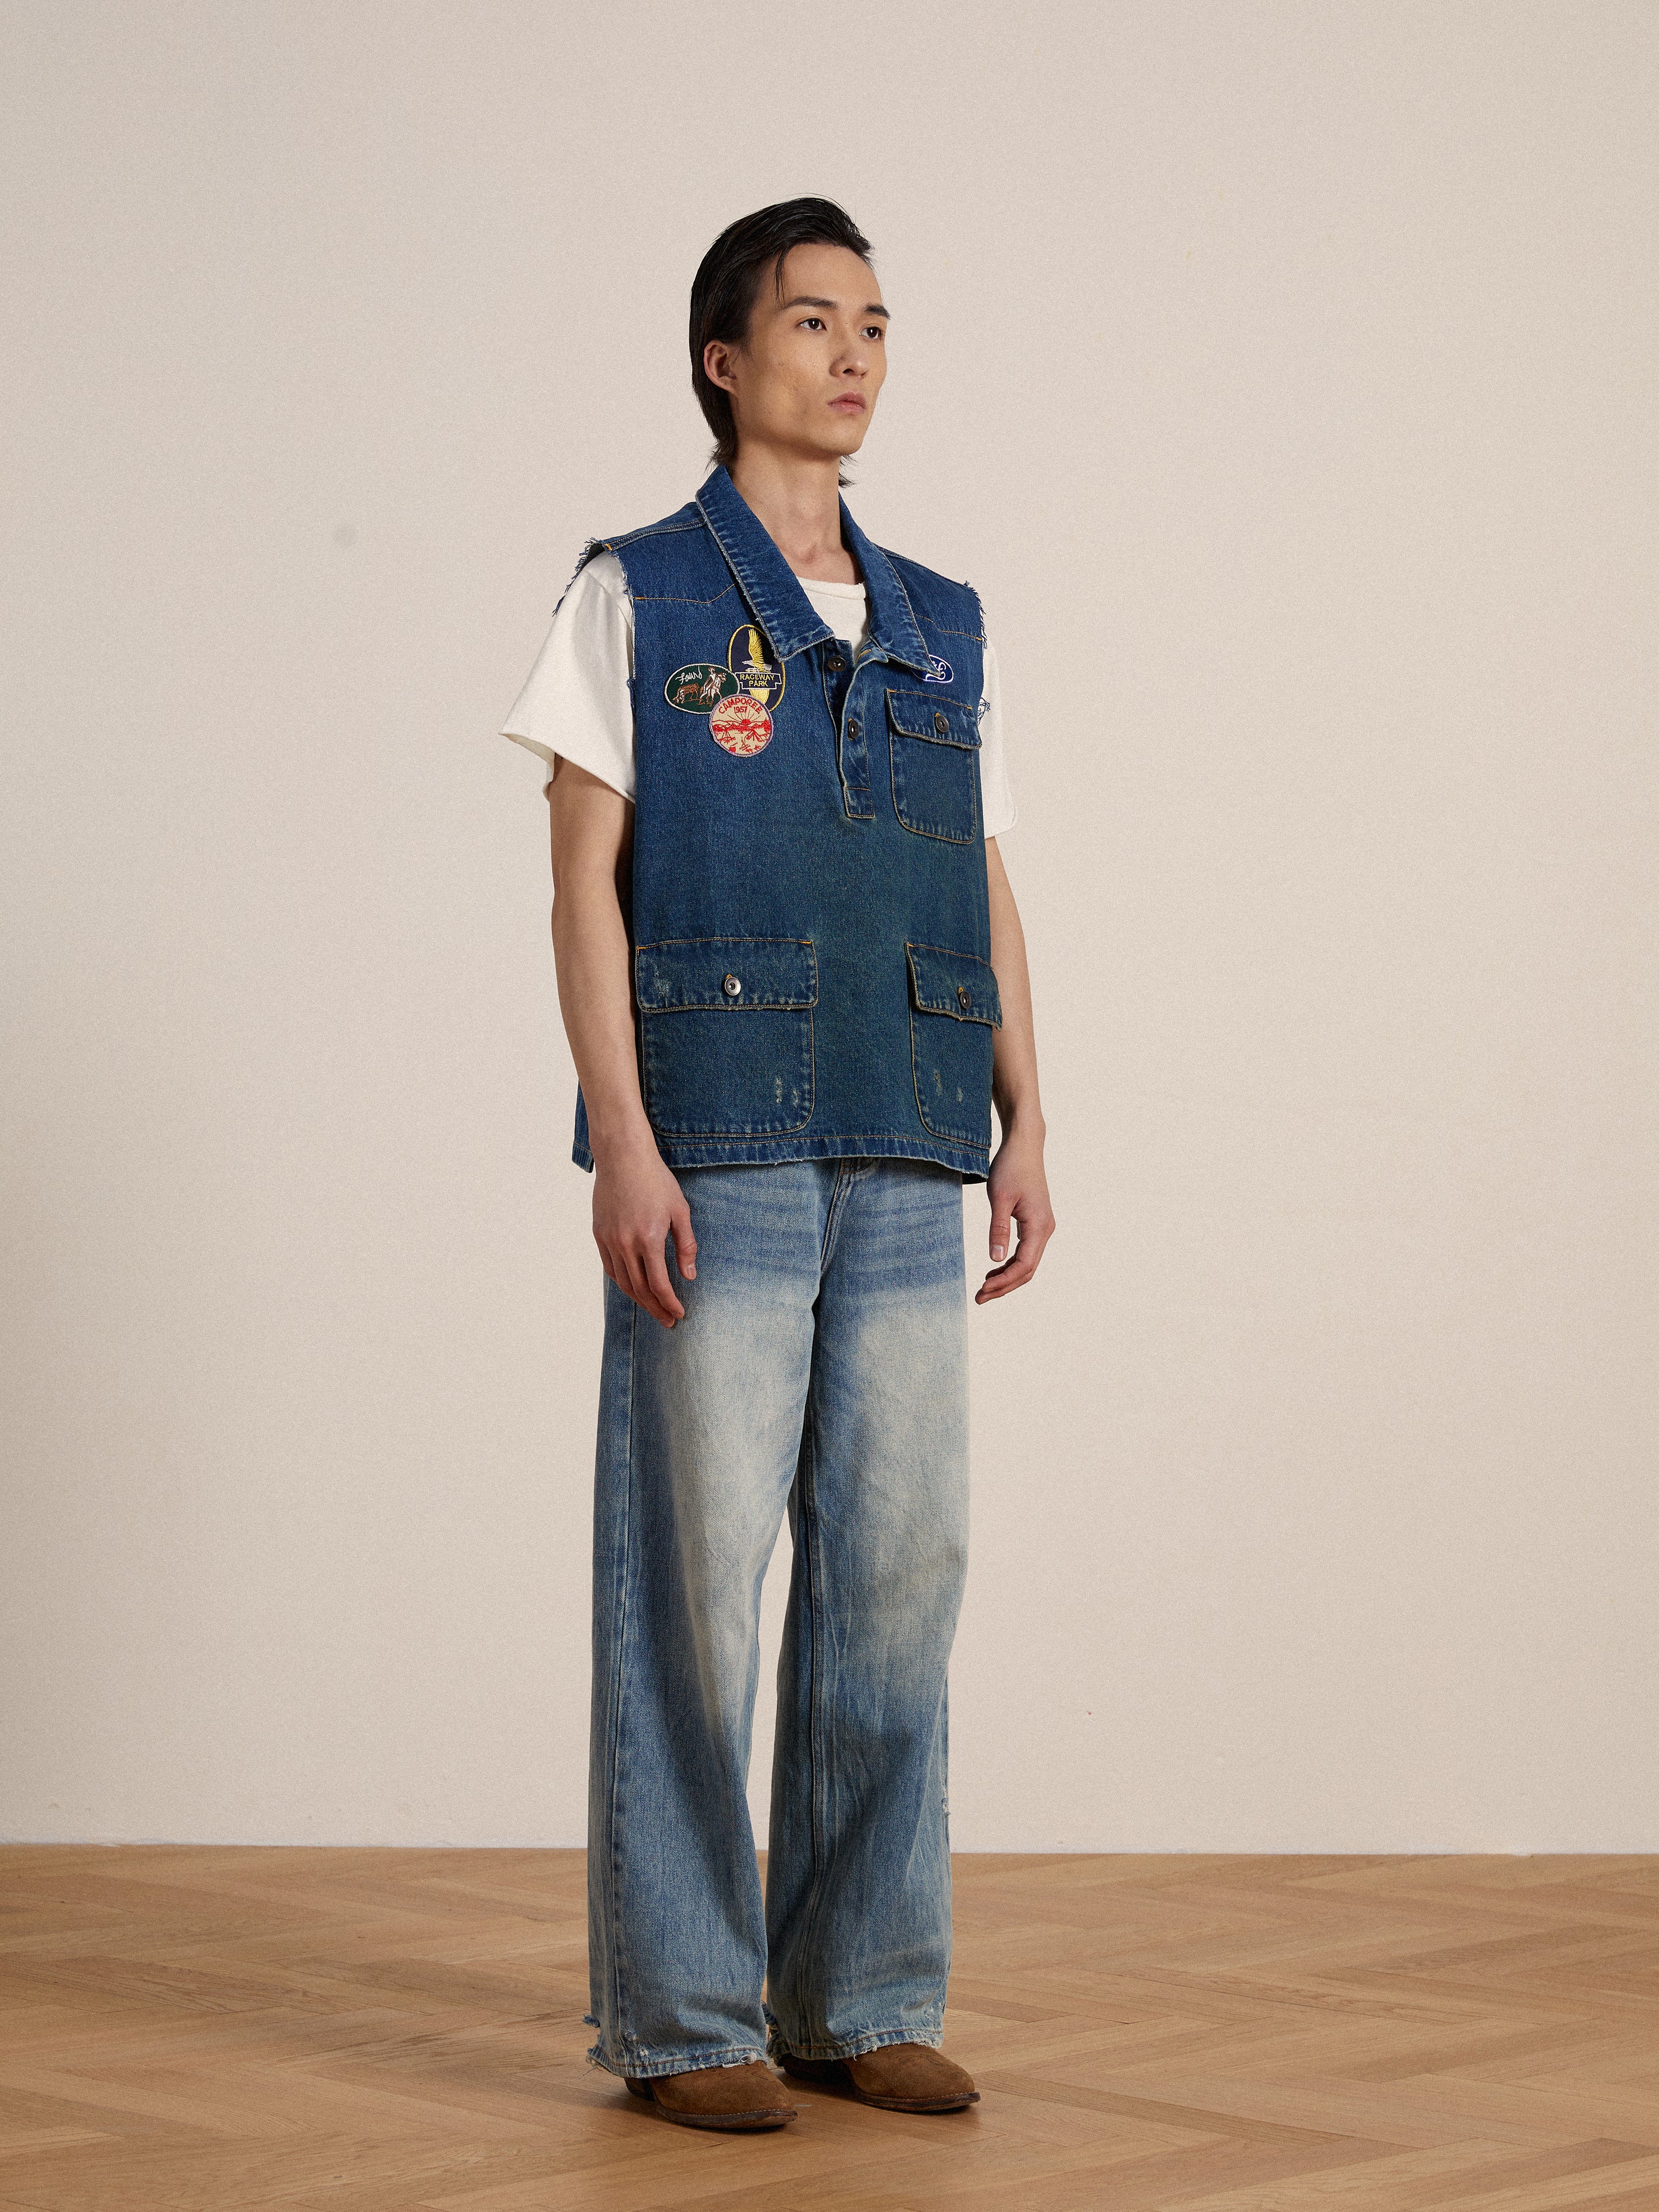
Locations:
(855, 754)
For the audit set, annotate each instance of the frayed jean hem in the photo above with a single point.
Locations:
(779, 2046)
(642, 2065)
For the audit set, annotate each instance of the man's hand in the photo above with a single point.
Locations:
(637, 1205)
(1019, 1192)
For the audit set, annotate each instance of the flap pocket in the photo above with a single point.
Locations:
(942, 721)
(955, 983)
(730, 973)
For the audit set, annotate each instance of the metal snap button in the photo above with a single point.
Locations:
(731, 986)
(836, 662)
(963, 999)
(852, 729)
(940, 724)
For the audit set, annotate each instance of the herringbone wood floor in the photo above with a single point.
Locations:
(196, 2030)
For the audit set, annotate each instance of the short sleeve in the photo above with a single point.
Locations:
(999, 810)
(577, 700)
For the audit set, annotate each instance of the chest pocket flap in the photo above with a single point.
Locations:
(941, 720)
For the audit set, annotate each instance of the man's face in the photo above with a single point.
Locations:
(805, 379)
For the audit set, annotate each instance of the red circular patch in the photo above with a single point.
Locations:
(742, 724)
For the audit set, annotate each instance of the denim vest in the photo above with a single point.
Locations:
(809, 925)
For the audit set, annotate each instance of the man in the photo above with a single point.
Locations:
(792, 977)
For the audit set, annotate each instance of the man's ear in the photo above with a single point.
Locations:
(717, 364)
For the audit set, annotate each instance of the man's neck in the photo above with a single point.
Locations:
(796, 500)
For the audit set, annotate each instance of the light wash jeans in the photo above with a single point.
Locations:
(820, 1366)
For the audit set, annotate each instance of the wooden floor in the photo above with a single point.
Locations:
(196, 2030)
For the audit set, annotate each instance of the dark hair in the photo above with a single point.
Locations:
(727, 283)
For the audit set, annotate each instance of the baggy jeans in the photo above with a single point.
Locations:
(820, 1368)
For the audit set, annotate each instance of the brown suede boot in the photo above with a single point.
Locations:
(741, 2097)
(900, 2077)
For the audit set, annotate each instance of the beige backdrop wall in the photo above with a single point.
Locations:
(1282, 377)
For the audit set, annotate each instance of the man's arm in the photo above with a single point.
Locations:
(1018, 1187)
(637, 1201)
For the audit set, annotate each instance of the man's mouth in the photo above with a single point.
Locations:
(850, 403)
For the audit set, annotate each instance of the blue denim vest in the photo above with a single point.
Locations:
(809, 925)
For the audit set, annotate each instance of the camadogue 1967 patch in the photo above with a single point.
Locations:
(741, 724)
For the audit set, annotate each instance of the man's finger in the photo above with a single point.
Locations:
(1001, 1280)
(685, 1244)
(656, 1270)
(1020, 1269)
(639, 1288)
(1002, 1215)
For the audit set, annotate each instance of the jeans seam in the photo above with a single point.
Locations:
(847, 1173)
(615, 1883)
(812, 1909)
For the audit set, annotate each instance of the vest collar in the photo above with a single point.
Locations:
(774, 592)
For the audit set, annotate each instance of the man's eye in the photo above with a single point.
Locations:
(874, 330)
(811, 322)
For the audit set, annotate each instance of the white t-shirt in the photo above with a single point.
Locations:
(577, 703)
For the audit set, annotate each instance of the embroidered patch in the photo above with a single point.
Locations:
(751, 660)
(939, 672)
(741, 724)
(699, 686)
